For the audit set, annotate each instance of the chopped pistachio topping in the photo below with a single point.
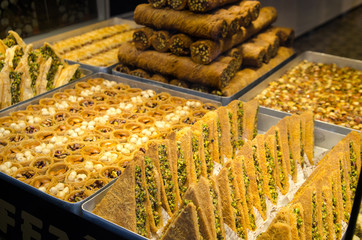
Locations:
(196, 156)
(10, 41)
(166, 176)
(152, 189)
(324, 217)
(315, 231)
(214, 197)
(18, 54)
(33, 69)
(247, 199)
(337, 225)
(208, 160)
(299, 218)
(15, 79)
(219, 139)
(282, 177)
(344, 189)
(259, 179)
(232, 134)
(301, 147)
(353, 174)
(141, 215)
(77, 75)
(240, 116)
(270, 170)
(2, 63)
(238, 215)
(181, 170)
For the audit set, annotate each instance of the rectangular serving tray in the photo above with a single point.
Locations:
(76, 207)
(82, 30)
(309, 56)
(326, 136)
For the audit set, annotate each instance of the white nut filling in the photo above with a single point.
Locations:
(4, 132)
(8, 168)
(125, 106)
(44, 148)
(62, 106)
(96, 89)
(193, 104)
(109, 83)
(113, 111)
(76, 177)
(148, 93)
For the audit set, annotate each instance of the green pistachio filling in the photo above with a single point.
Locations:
(219, 139)
(10, 41)
(247, 199)
(2, 63)
(237, 214)
(240, 117)
(15, 79)
(152, 189)
(33, 69)
(270, 165)
(280, 162)
(291, 159)
(208, 160)
(214, 197)
(299, 218)
(337, 225)
(18, 54)
(77, 75)
(353, 176)
(315, 232)
(181, 170)
(324, 217)
(344, 189)
(167, 176)
(196, 156)
(232, 134)
(259, 179)
(141, 215)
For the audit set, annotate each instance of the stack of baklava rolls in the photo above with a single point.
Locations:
(204, 44)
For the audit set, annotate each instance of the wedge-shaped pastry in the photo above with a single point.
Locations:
(199, 194)
(30, 68)
(285, 216)
(250, 122)
(232, 210)
(277, 231)
(184, 225)
(198, 158)
(327, 212)
(246, 198)
(295, 136)
(56, 66)
(281, 159)
(217, 208)
(337, 204)
(224, 129)
(165, 162)
(309, 209)
(307, 122)
(5, 83)
(69, 73)
(237, 109)
(13, 39)
(209, 134)
(283, 134)
(211, 120)
(153, 186)
(185, 166)
(125, 202)
(261, 168)
(298, 221)
(255, 177)
(41, 83)
(270, 159)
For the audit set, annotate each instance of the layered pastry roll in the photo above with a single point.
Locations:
(165, 162)
(142, 38)
(250, 122)
(232, 210)
(282, 157)
(160, 41)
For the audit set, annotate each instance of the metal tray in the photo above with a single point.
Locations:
(325, 138)
(76, 207)
(309, 56)
(222, 99)
(82, 30)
